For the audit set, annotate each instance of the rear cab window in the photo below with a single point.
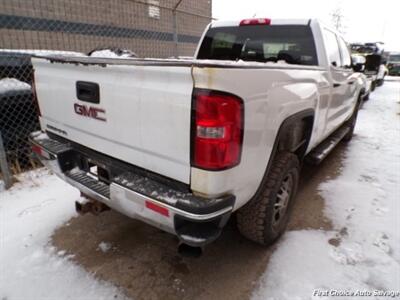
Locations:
(293, 44)
(345, 53)
(337, 49)
(332, 48)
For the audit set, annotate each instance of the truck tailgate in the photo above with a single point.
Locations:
(142, 117)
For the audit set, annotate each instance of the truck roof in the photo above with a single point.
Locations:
(233, 23)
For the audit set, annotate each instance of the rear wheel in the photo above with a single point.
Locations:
(265, 217)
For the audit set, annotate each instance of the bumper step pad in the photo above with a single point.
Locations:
(89, 182)
(52, 146)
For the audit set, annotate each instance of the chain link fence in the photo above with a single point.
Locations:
(116, 28)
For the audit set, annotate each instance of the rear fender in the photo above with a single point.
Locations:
(270, 97)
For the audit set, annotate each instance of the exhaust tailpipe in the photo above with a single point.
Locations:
(186, 250)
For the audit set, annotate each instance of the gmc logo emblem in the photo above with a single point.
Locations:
(90, 112)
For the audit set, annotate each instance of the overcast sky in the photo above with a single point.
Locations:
(364, 20)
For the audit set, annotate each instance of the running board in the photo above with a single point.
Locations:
(322, 150)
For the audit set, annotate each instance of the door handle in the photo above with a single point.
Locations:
(351, 82)
(88, 91)
(335, 85)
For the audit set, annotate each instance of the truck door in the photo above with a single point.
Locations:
(350, 85)
(340, 76)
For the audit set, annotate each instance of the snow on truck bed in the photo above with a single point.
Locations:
(175, 62)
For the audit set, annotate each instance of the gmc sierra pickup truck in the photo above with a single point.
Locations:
(184, 144)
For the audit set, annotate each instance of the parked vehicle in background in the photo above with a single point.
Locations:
(366, 81)
(376, 47)
(393, 64)
(16, 63)
(375, 68)
(183, 144)
(18, 114)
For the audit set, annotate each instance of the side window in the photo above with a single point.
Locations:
(344, 50)
(332, 48)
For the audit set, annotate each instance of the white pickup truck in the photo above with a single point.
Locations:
(183, 144)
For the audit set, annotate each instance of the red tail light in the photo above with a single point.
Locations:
(217, 130)
(40, 151)
(261, 21)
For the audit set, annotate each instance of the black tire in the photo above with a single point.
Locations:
(262, 220)
(366, 98)
(352, 124)
(379, 82)
(373, 86)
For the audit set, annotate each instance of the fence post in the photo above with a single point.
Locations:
(176, 54)
(175, 27)
(4, 166)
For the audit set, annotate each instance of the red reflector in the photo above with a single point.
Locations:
(39, 151)
(217, 131)
(36, 149)
(262, 21)
(157, 208)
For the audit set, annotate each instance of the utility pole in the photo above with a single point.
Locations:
(337, 19)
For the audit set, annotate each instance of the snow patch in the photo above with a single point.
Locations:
(40, 136)
(30, 268)
(104, 247)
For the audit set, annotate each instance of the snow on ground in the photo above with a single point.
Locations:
(30, 268)
(362, 253)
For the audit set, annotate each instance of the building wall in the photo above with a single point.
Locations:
(82, 25)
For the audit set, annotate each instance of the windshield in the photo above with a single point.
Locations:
(394, 58)
(291, 43)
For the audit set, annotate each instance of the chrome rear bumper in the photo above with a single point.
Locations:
(195, 220)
